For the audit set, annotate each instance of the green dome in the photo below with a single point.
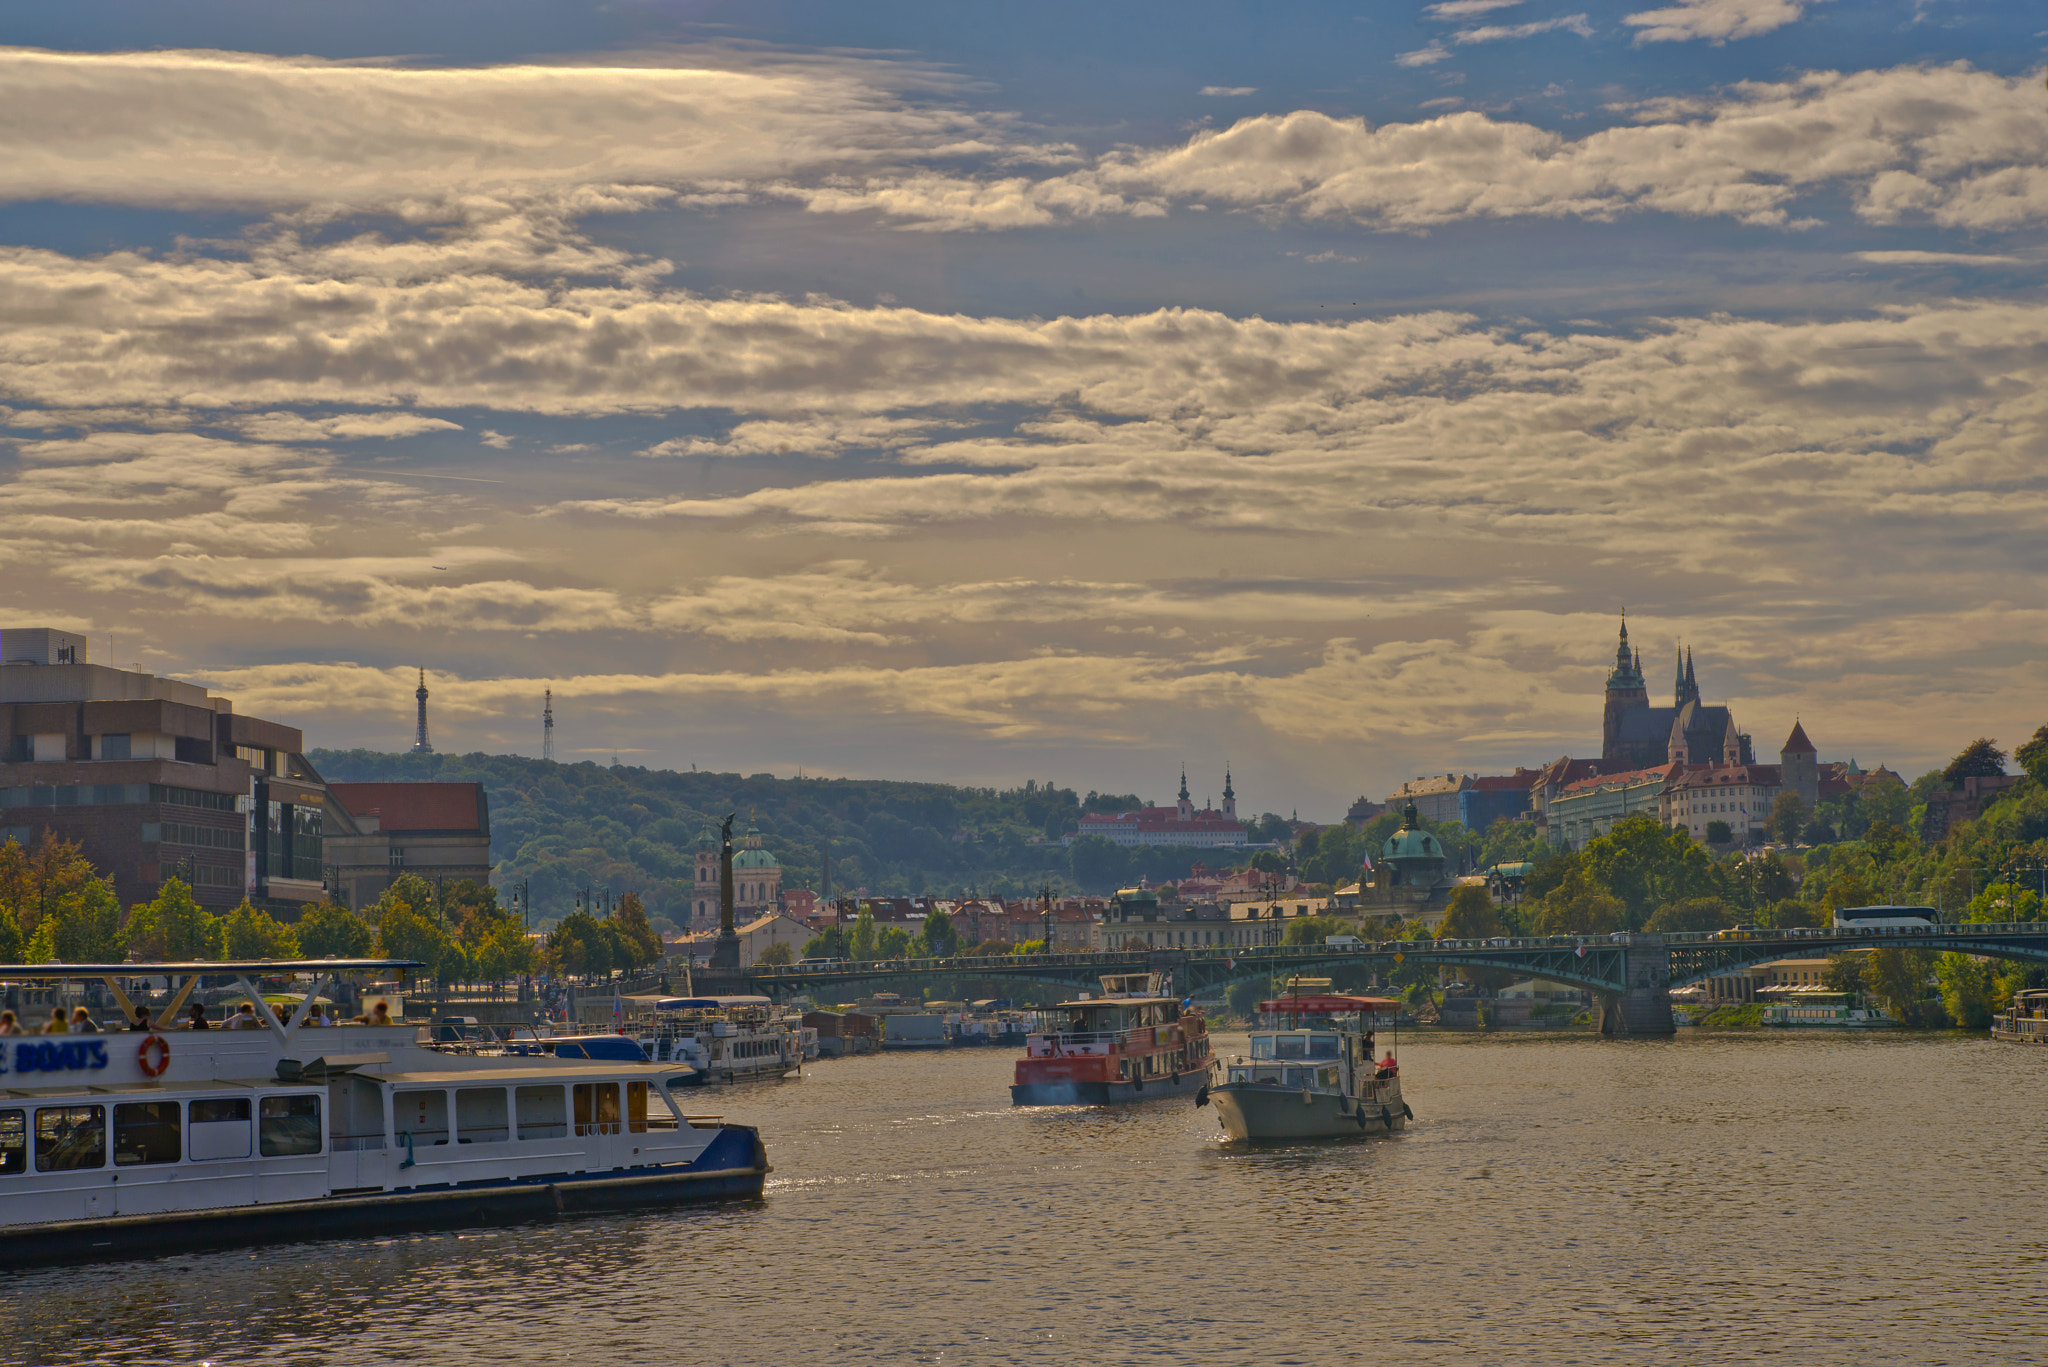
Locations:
(1407, 844)
(754, 859)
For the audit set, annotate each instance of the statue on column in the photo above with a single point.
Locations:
(725, 952)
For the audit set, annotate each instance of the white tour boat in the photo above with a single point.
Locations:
(728, 1039)
(129, 1143)
(1316, 1077)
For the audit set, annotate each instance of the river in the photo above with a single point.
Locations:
(1559, 1199)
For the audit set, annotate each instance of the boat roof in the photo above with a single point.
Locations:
(40, 972)
(1330, 1004)
(709, 1003)
(1119, 1001)
(540, 1072)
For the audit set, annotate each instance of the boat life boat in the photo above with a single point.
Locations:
(1314, 1075)
(128, 1143)
(1132, 1043)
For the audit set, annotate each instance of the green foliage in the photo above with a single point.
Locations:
(40, 881)
(831, 944)
(1719, 833)
(1844, 972)
(1760, 882)
(1787, 819)
(172, 927)
(1967, 987)
(1334, 855)
(1981, 758)
(776, 956)
(938, 939)
(1469, 915)
(639, 943)
(2033, 757)
(1311, 930)
(1029, 947)
(83, 926)
(562, 827)
(1579, 905)
(1788, 914)
(253, 934)
(865, 942)
(507, 953)
(328, 931)
(403, 933)
(1901, 979)
(1512, 842)
(1244, 998)
(1647, 866)
(2005, 902)
(1692, 914)
(1267, 861)
(892, 942)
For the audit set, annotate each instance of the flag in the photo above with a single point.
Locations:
(1582, 951)
(1368, 863)
(1229, 962)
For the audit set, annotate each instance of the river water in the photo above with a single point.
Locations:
(1567, 1199)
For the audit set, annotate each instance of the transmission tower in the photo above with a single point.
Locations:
(547, 726)
(419, 743)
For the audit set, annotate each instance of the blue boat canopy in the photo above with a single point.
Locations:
(707, 1003)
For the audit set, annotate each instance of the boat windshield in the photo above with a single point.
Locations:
(1295, 1044)
(1276, 1075)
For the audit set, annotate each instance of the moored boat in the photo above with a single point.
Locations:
(1132, 1043)
(127, 1144)
(727, 1039)
(2025, 1021)
(1312, 1074)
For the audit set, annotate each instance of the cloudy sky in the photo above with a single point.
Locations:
(1063, 391)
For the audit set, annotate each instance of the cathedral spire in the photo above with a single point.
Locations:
(1187, 804)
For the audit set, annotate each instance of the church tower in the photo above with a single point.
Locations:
(1626, 690)
(1688, 686)
(1187, 804)
(1799, 767)
(1229, 796)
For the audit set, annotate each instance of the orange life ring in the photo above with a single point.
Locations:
(154, 1046)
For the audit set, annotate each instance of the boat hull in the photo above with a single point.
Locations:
(734, 1167)
(1085, 1092)
(1252, 1111)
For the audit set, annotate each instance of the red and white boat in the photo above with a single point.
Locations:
(1131, 1043)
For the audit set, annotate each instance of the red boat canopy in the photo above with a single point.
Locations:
(1330, 1004)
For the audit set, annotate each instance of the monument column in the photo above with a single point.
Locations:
(725, 952)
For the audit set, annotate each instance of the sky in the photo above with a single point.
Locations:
(1064, 391)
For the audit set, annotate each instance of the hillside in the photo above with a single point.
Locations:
(565, 826)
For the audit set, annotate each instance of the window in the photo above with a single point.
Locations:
(423, 1115)
(13, 1142)
(290, 1125)
(480, 1115)
(71, 1137)
(146, 1132)
(597, 1108)
(636, 1107)
(218, 1127)
(114, 747)
(543, 1113)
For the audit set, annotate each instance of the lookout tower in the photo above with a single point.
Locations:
(419, 740)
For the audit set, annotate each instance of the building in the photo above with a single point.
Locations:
(1591, 806)
(1364, 811)
(377, 831)
(1180, 824)
(1966, 802)
(1435, 798)
(755, 937)
(154, 777)
(756, 881)
(1635, 735)
(1413, 872)
(1497, 797)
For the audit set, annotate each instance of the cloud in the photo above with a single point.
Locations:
(198, 128)
(1717, 21)
(1429, 55)
(1495, 33)
(1922, 258)
(340, 427)
(1465, 9)
(1229, 91)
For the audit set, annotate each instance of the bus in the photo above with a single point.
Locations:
(1881, 918)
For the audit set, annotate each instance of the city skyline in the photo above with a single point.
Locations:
(890, 395)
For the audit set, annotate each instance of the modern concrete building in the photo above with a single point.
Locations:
(155, 777)
(376, 831)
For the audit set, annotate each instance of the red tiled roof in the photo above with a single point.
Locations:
(1797, 743)
(415, 806)
(1495, 783)
(1587, 785)
(1712, 775)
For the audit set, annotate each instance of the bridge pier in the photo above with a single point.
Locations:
(1643, 1007)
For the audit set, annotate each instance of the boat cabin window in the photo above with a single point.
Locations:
(1322, 1046)
(290, 1126)
(218, 1127)
(480, 1116)
(597, 1108)
(13, 1142)
(71, 1137)
(543, 1112)
(146, 1132)
(422, 1114)
(636, 1108)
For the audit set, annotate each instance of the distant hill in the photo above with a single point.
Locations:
(566, 826)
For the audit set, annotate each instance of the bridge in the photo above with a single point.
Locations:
(1630, 975)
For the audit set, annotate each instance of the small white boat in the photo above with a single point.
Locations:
(133, 1143)
(1314, 1076)
(727, 1039)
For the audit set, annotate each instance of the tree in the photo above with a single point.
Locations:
(508, 953)
(1469, 915)
(173, 927)
(1847, 889)
(1844, 972)
(1966, 989)
(1266, 861)
(1578, 906)
(404, 934)
(776, 956)
(830, 944)
(253, 934)
(1693, 914)
(989, 949)
(1512, 842)
(1886, 843)
(1787, 819)
(1899, 977)
(864, 943)
(938, 939)
(1028, 947)
(1763, 880)
(328, 931)
(892, 942)
(84, 927)
(1645, 865)
(1789, 913)
(1981, 758)
(1312, 930)
(2033, 757)
(36, 881)
(1719, 833)
(638, 938)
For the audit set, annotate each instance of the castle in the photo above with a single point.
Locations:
(1635, 735)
